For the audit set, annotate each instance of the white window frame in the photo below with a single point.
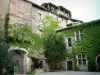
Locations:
(81, 60)
(66, 39)
(68, 42)
(79, 31)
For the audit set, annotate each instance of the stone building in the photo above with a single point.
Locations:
(3, 10)
(78, 46)
(26, 12)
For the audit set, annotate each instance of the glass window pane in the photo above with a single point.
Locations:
(84, 61)
(81, 31)
(77, 37)
(83, 56)
(69, 42)
(79, 56)
(79, 62)
(81, 36)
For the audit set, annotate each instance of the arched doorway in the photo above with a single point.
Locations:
(19, 59)
(98, 62)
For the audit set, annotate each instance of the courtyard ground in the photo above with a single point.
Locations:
(69, 73)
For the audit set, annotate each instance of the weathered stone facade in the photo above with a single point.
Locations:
(3, 11)
(20, 12)
(26, 12)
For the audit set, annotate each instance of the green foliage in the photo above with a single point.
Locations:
(50, 24)
(90, 44)
(32, 71)
(5, 57)
(22, 36)
(55, 49)
(91, 61)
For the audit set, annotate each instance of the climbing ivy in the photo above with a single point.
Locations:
(22, 36)
(90, 44)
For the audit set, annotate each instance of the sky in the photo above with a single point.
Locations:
(85, 10)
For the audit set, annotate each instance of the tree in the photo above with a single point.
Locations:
(54, 45)
(5, 56)
(55, 49)
(50, 24)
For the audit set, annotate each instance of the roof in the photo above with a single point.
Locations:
(36, 5)
(63, 16)
(75, 20)
(49, 4)
(62, 29)
(63, 8)
(83, 24)
(66, 10)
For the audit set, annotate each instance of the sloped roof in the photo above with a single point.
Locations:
(83, 24)
(36, 5)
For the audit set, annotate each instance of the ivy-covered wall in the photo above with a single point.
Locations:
(21, 36)
(90, 44)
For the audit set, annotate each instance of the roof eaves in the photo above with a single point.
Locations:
(36, 5)
(75, 20)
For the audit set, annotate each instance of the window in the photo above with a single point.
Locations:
(69, 42)
(40, 16)
(79, 35)
(81, 59)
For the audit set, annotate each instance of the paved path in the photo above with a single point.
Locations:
(70, 73)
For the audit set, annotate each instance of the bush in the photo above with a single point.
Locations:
(91, 66)
(5, 58)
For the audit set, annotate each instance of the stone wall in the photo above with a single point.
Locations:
(20, 12)
(3, 11)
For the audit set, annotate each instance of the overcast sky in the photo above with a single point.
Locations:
(85, 10)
